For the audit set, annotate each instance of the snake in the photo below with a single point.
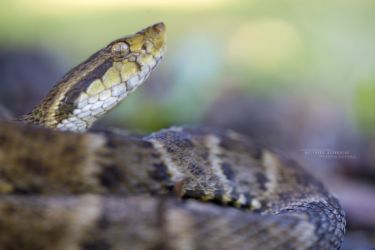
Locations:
(66, 186)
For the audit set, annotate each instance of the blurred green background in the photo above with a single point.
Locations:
(321, 49)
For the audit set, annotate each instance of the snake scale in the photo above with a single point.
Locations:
(179, 188)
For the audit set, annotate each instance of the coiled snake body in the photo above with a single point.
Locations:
(179, 188)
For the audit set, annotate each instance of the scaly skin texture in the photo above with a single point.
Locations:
(179, 188)
(101, 82)
(282, 206)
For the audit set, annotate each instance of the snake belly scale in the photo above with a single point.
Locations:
(178, 188)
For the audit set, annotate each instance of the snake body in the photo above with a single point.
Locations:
(179, 188)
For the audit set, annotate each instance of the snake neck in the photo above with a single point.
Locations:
(43, 114)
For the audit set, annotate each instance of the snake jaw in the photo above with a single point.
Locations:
(100, 83)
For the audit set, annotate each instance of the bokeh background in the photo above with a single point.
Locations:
(297, 76)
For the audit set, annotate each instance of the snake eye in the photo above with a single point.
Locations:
(120, 49)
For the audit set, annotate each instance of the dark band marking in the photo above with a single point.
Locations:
(84, 65)
(155, 155)
(34, 166)
(99, 244)
(248, 200)
(67, 105)
(227, 170)
(146, 144)
(30, 189)
(160, 173)
(262, 180)
(195, 194)
(111, 177)
(103, 222)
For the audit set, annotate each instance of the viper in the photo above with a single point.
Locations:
(66, 186)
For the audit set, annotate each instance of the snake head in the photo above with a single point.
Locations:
(101, 82)
(147, 43)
